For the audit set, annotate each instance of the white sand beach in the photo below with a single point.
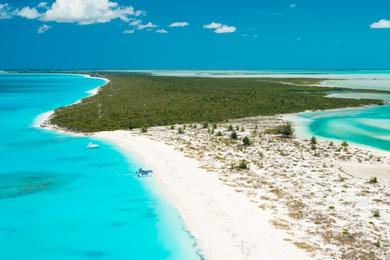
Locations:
(294, 201)
(224, 222)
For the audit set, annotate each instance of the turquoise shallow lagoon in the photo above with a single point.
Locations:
(368, 126)
(364, 126)
(59, 200)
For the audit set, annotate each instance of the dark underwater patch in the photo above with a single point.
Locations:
(18, 184)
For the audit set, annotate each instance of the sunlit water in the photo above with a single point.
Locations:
(59, 200)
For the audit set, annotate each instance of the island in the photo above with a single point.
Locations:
(245, 185)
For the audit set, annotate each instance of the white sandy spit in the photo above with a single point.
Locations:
(225, 223)
(294, 201)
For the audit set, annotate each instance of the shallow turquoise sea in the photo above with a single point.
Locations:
(368, 126)
(59, 200)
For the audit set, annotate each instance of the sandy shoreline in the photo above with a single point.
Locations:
(222, 212)
(224, 222)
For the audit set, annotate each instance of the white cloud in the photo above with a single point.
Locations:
(5, 11)
(42, 5)
(178, 24)
(220, 28)
(139, 13)
(135, 22)
(226, 29)
(86, 12)
(212, 25)
(381, 24)
(161, 31)
(130, 31)
(43, 28)
(148, 25)
(27, 12)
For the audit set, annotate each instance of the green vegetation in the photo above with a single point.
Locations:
(139, 100)
(246, 141)
(376, 213)
(233, 135)
(243, 165)
(180, 130)
(286, 130)
(313, 142)
(373, 180)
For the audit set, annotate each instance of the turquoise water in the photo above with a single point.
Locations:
(59, 200)
(365, 126)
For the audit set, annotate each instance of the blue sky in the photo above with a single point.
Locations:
(194, 34)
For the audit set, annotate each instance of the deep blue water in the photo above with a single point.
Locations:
(59, 200)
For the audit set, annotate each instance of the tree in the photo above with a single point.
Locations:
(233, 135)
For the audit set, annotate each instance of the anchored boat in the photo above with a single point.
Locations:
(92, 146)
(144, 173)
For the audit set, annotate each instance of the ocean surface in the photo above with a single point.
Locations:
(59, 200)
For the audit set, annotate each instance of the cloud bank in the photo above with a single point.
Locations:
(82, 12)
(178, 24)
(220, 28)
(87, 12)
(381, 24)
(5, 11)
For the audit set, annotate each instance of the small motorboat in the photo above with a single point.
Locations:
(92, 146)
(144, 173)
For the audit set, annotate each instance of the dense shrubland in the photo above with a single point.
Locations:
(140, 101)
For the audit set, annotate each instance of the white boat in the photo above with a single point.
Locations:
(92, 146)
